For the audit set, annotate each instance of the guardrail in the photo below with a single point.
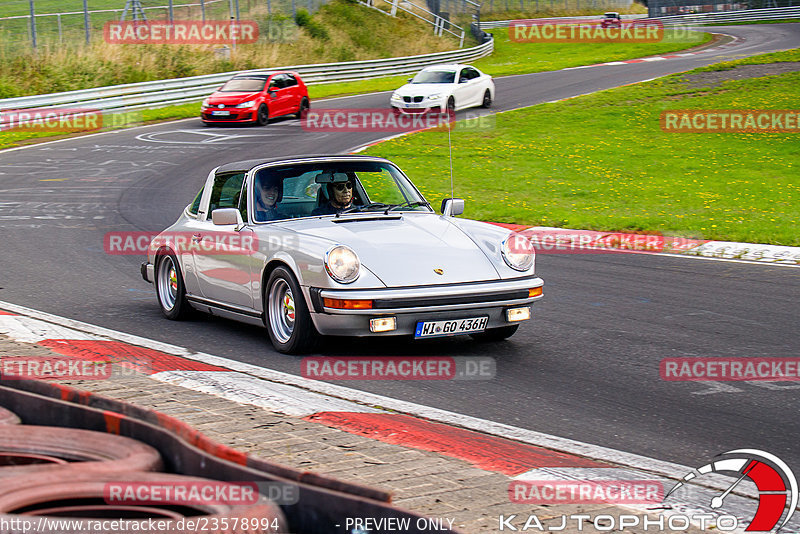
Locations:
(129, 97)
(488, 25)
(695, 19)
(747, 15)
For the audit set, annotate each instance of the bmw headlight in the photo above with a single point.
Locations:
(434, 97)
(518, 252)
(248, 104)
(395, 96)
(342, 264)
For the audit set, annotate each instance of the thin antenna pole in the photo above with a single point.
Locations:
(450, 145)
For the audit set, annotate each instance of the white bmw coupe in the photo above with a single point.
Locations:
(441, 88)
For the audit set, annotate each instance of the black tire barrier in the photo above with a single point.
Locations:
(8, 417)
(77, 503)
(31, 449)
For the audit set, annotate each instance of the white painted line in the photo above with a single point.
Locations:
(246, 389)
(28, 330)
(654, 59)
(649, 465)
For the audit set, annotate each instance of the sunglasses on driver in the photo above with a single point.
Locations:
(342, 186)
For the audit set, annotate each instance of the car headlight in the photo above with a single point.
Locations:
(395, 96)
(342, 264)
(518, 252)
(205, 103)
(434, 97)
(248, 104)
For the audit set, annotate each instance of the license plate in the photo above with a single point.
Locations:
(413, 105)
(222, 113)
(451, 327)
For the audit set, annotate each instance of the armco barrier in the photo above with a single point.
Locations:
(323, 501)
(128, 97)
(695, 19)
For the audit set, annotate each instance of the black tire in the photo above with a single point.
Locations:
(304, 106)
(451, 105)
(496, 334)
(288, 319)
(487, 99)
(170, 290)
(262, 115)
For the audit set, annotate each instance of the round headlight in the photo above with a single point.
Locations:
(342, 264)
(518, 252)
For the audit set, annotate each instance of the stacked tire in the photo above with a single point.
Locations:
(59, 479)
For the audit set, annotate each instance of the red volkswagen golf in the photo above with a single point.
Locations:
(256, 97)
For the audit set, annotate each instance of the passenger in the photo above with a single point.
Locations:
(340, 197)
(269, 194)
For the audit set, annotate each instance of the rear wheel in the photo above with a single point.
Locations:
(288, 319)
(262, 117)
(487, 99)
(496, 334)
(302, 109)
(170, 290)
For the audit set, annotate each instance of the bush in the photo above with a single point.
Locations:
(314, 28)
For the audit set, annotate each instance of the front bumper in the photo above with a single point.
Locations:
(425, 303)
(234, 117)
(148, 272)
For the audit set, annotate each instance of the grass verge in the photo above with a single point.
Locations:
(509, 58)
(602, 162)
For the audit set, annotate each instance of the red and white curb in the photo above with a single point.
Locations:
(518, 453)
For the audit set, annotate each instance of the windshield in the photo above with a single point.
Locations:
(435, 76)
(239, 85)
(332, 188)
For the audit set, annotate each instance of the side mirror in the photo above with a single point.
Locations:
(226, 216)
(409, 80)
(462, 80)
(452, 207)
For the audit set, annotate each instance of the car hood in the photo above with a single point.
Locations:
(405, 250)
(423, 89)
(231, 98)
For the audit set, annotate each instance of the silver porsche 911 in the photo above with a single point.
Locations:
(339, 245)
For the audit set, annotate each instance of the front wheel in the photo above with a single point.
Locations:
(288, 319)
(487, 99)
(170, 290)
(263, 115)
(496, 334)
(451, 105)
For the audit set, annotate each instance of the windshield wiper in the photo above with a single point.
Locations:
(409, 204)
(355, 209)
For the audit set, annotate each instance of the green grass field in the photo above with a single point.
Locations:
(602, 162)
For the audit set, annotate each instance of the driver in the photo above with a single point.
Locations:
(340, 197)
(269, 194)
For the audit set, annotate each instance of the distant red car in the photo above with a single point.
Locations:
(255, 98)
(611, 19)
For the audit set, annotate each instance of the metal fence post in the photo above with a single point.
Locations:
(33, 25)
(171, 13)
(86, 20)
(60, 34)
(393, 11)
(203, 9)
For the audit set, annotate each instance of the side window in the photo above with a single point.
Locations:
(277, 81)
(463, 76)
(226, 191)
(290, 80)
(194, 207)
(472, 73)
